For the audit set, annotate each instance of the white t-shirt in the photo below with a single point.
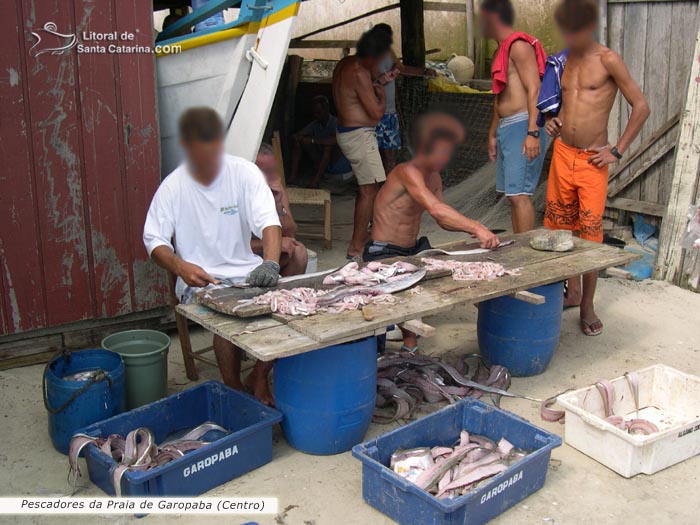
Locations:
(212, 224)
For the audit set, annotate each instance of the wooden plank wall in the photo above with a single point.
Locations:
(80, 165)
(655, 39)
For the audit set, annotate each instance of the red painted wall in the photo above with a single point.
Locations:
(79, 163)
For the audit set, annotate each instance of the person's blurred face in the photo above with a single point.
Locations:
(204, 159)
(578, 39)
(268, 166)
(320, 112)
(440, 154)
(370, 63)
(487, 24)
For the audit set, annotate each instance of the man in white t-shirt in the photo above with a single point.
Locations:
(210, 205)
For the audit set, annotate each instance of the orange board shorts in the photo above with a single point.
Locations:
(576, 193)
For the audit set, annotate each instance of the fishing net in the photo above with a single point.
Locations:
(474, 110)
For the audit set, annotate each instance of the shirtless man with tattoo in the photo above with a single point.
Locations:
(576, 113)
(415, 187)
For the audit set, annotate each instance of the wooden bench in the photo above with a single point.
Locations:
(308, 197)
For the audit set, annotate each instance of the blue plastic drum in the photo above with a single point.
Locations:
(521, 336)
(75, 401)
(327, 396)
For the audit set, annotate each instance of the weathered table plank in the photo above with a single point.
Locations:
(273, 337)
(439, 295)
(225, 325)
(226, 300)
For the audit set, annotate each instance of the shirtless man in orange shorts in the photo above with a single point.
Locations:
(578, 177)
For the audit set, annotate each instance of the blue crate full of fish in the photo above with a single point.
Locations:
(232, 436)
(443, 432)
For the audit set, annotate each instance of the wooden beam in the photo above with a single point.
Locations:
(321, 44)
(603, 22)
(647, 208)
(618, 184)
(418, 327)
(469, 12)
(642, 1)
(619, 273)
(684, 184)
(650, 141)
(383, 9)
(443, 6)
(529, 297)
(412, 33)
(427, 6)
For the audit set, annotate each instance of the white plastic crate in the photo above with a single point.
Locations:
(667, 397)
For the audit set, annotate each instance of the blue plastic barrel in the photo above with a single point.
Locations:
(73, 404)
(327, 396)
(521, 336)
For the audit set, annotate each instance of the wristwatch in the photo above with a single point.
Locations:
(535, 133)
(616, 153)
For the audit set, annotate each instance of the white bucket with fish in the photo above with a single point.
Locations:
(668, 398)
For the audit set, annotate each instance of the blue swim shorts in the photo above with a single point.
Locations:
(514, 174)
(388, 136)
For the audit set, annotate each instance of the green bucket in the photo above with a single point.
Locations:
(145, 355)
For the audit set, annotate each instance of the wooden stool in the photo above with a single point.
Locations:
(189, 356)
(308, 197)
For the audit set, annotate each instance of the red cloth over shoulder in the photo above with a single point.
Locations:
(499, 68)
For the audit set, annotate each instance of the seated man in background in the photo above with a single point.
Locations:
(211, 204)
(414, 187)
(317, 142)
(294, 255)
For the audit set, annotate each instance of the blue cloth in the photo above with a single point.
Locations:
(549, 100)
(388, 136)
(340, 166)
(515, 175)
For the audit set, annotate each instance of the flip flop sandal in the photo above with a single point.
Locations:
(354, 258)
(587, 330)
(413, 350)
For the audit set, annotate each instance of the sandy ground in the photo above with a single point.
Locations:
(646, 323)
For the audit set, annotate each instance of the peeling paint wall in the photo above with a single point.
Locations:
(75, 183)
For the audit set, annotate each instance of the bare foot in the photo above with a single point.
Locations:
(259, 387)
(572, 299)
(410, 342)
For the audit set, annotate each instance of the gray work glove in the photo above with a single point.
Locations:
(267, 274)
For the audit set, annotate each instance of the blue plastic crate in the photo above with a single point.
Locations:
(247, 447)
(408, 505)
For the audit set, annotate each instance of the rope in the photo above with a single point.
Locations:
(100, 375)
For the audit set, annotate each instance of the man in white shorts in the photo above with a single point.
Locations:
(361, 101)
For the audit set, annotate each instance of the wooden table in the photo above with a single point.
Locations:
(272, 337)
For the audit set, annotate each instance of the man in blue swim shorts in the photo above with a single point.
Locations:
(516, 143)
